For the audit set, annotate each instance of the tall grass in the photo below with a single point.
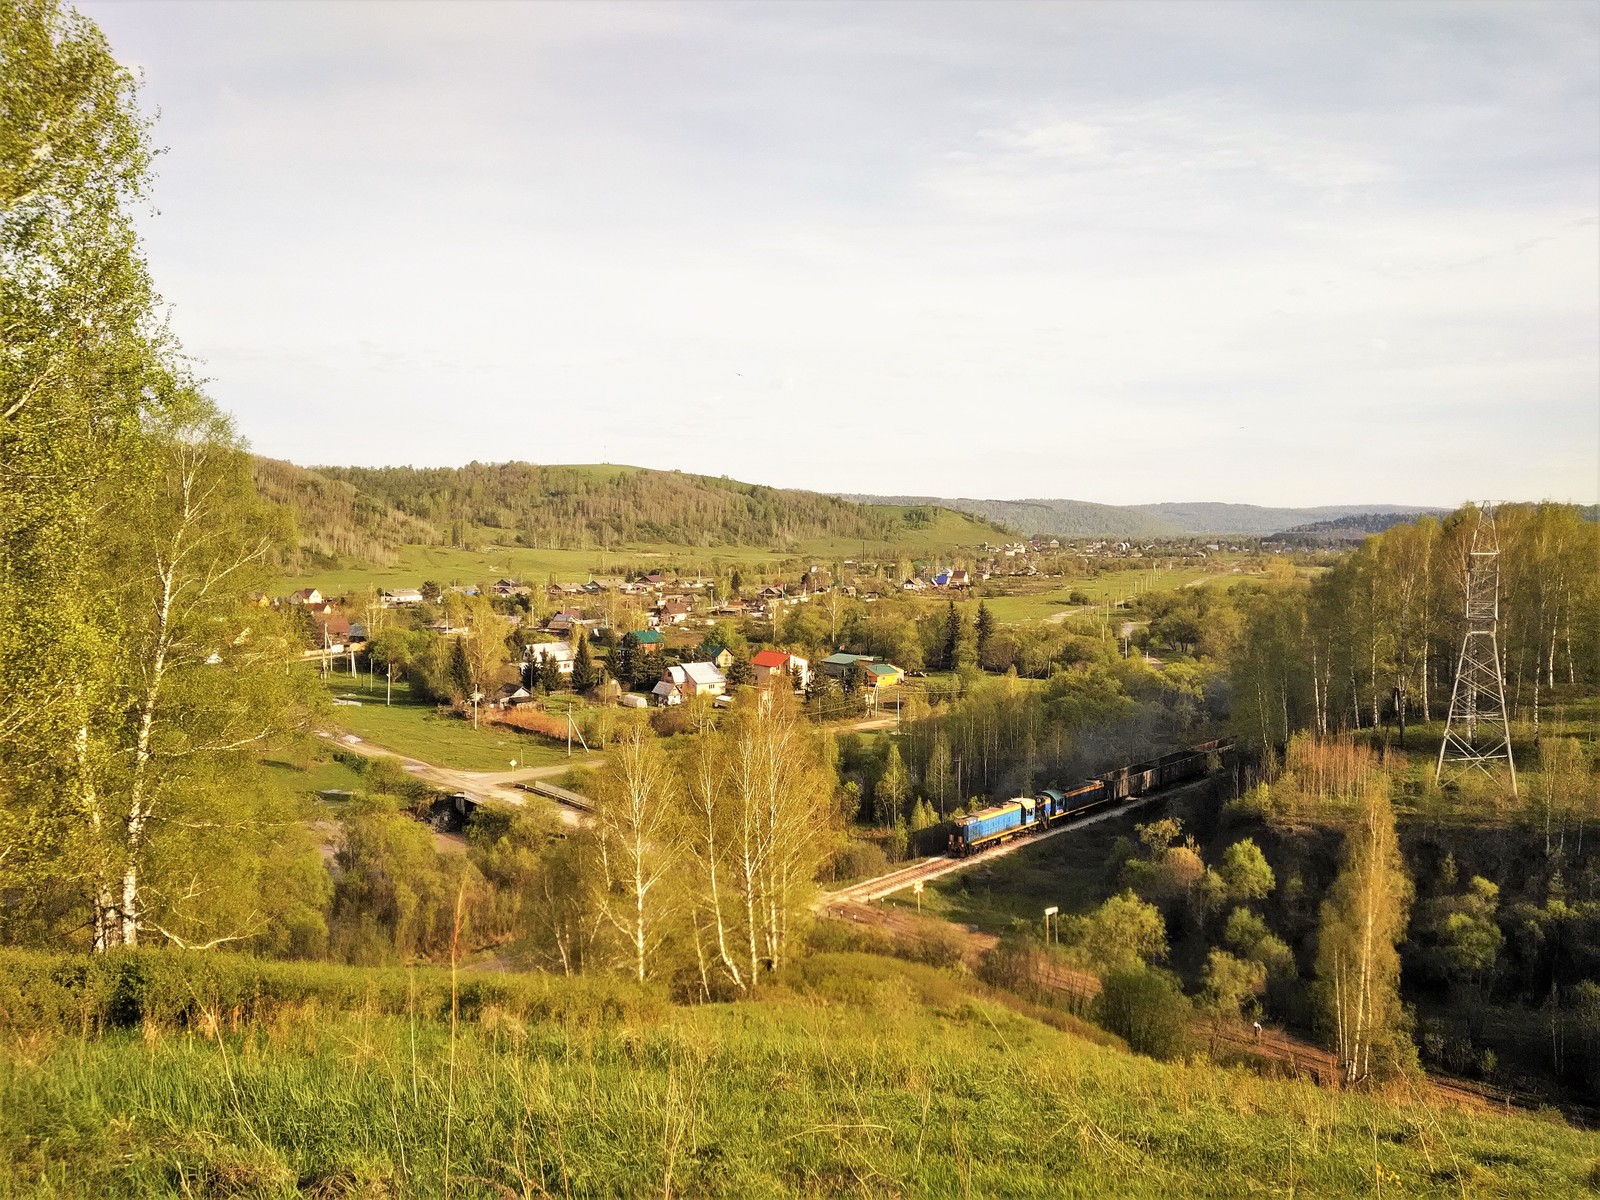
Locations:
(855, 1075)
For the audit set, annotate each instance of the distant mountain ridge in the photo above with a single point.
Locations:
(1083, 518)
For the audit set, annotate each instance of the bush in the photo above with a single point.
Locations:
(931, 942)
(1146, 1009)
(859, 860)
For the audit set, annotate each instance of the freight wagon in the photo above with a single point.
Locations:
(991, 826)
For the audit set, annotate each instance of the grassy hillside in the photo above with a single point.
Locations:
(857, 1074)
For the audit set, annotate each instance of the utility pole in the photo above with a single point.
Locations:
(1477, 733)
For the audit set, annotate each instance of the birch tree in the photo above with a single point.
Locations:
(639, 836)
(1362, 924)
(132, 674)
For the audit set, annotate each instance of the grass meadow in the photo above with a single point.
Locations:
(416, 729)
(1050, 600)
(855, 1075)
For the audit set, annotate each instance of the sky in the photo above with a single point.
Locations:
(1268, 253)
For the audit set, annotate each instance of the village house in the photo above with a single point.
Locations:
(769, 663)
(718, 656)
(510, 695)
(401, 596)
(564, 621)
(678, 684)
(881, 675)
(840, 665)
(538, 652)
(306, 596)
(673, 612)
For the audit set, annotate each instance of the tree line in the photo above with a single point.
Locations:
(1374, 639)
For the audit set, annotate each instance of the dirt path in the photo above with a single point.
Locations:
(478, 785)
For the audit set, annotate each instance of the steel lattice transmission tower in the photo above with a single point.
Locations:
(1477, 732)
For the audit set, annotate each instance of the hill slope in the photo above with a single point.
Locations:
(854, 1075)
(370, 512)
(333, 519)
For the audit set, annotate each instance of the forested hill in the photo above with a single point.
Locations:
(1354, 528)
(333, 519)
(1060, 518)
(367, 512)
(1083, 518)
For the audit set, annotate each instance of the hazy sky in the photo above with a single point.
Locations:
(1280, 253)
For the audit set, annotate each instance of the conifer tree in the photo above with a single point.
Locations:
(985, 627)
(952, 637)
(584, 674)
(624, 659)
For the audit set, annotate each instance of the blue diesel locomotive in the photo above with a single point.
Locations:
(1002, 822)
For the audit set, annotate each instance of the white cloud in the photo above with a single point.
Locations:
(1276, 253)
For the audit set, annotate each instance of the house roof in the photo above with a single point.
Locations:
(844, 660)
(702, 673)
(649, 637)
(882, 669)
(770, 658)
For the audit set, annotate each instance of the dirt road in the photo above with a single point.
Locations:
(479, 785)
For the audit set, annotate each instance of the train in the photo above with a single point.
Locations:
(1031, 814)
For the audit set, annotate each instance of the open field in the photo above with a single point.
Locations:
(856, 1075)
(447, 565)
(298, 770)
(1050, 600)
(417, 730)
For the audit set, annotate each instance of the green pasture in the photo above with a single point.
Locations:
(298, 770)
(417, 730)
(853, 1075)
(1050, 600)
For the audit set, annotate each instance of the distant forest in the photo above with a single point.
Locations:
(1354, 528)
(368, 512)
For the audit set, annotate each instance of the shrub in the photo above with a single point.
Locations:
(1146, 1009)
(859, 860)
(931, 942)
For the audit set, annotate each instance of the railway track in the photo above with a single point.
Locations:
(928, 869)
